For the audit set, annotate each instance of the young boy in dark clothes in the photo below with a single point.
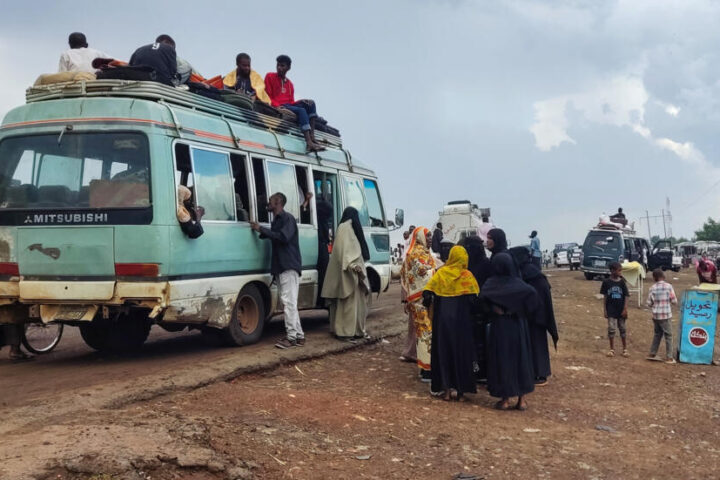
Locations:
(616, 294)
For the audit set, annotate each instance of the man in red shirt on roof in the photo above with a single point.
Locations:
(282, 94)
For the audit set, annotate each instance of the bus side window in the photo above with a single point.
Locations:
(355, 197)
(183, 166)
(281, 178)
(260, 190)
(302, 180)
(240, 184)
(213, 184)
(375, 210)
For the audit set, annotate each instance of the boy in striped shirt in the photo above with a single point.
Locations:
(660, 299)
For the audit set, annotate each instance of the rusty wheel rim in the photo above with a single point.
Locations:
(247, 314)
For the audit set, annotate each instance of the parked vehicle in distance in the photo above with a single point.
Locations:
(663, 256)
(563, 254)
(605, 244)
(561, 259)
(575, 257)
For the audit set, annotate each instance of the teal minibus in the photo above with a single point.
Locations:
(89, 235)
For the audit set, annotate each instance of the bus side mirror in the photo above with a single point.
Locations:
(399, 217)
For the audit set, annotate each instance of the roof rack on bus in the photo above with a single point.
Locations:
(163, 93)
(605, 226)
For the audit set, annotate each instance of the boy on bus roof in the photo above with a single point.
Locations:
(282, 94)
(246, 80)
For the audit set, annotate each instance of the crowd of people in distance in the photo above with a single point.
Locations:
(158, 61)
(477, 319)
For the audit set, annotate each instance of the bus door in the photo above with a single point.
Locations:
(292, 180)
(326, 192)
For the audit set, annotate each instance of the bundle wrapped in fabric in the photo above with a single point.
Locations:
(63, 77)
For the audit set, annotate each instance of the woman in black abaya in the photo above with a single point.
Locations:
(479, 266)
(496, 241)
(452, 293)
(510, 302)
(542, 322)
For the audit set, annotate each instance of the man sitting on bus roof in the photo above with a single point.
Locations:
(282, 94)
(161, 57)
(246, 80)
(79, 57)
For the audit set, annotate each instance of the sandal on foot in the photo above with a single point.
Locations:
(611, 353)
(20, 357)
(626, 354)
(522, 406)
(502, 405)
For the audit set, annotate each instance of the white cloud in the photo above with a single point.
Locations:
(669, 108)
(618, 101)
(686, 151)
(551, 123)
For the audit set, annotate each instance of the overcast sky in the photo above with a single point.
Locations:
(550, 113)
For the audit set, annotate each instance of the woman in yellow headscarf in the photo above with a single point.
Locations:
(417, 270)
(453, 294)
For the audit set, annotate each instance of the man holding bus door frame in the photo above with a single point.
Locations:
(286, 266)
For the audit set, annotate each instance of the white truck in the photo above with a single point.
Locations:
(461, 219)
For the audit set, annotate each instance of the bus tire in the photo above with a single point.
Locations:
(94, 335)
(126, 334)
(248, 318)
(129, 332)
(589, 276)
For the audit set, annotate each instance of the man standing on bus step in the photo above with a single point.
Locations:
(285, 266)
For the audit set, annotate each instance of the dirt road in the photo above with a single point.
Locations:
(359, 413)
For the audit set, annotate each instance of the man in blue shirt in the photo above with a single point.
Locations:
(535, 249)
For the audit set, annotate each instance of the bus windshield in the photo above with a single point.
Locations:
(75, 170)
(602, 243)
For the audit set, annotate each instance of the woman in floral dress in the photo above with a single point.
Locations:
(417, 270)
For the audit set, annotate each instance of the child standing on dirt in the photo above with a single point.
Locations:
(660, 299)
(616, 295)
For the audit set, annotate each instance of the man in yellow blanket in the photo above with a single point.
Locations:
(246, 80)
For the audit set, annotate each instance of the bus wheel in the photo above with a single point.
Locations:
(94, 335)
(248, 318)
(129, 332)
(126, 334)
(589, 276)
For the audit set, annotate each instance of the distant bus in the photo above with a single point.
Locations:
(88, 228)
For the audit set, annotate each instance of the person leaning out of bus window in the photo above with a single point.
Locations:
(282, 94)
(187, 215)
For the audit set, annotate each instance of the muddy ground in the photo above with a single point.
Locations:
(181, 410)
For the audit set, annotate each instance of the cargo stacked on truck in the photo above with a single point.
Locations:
(460, 219)
(89, 234)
